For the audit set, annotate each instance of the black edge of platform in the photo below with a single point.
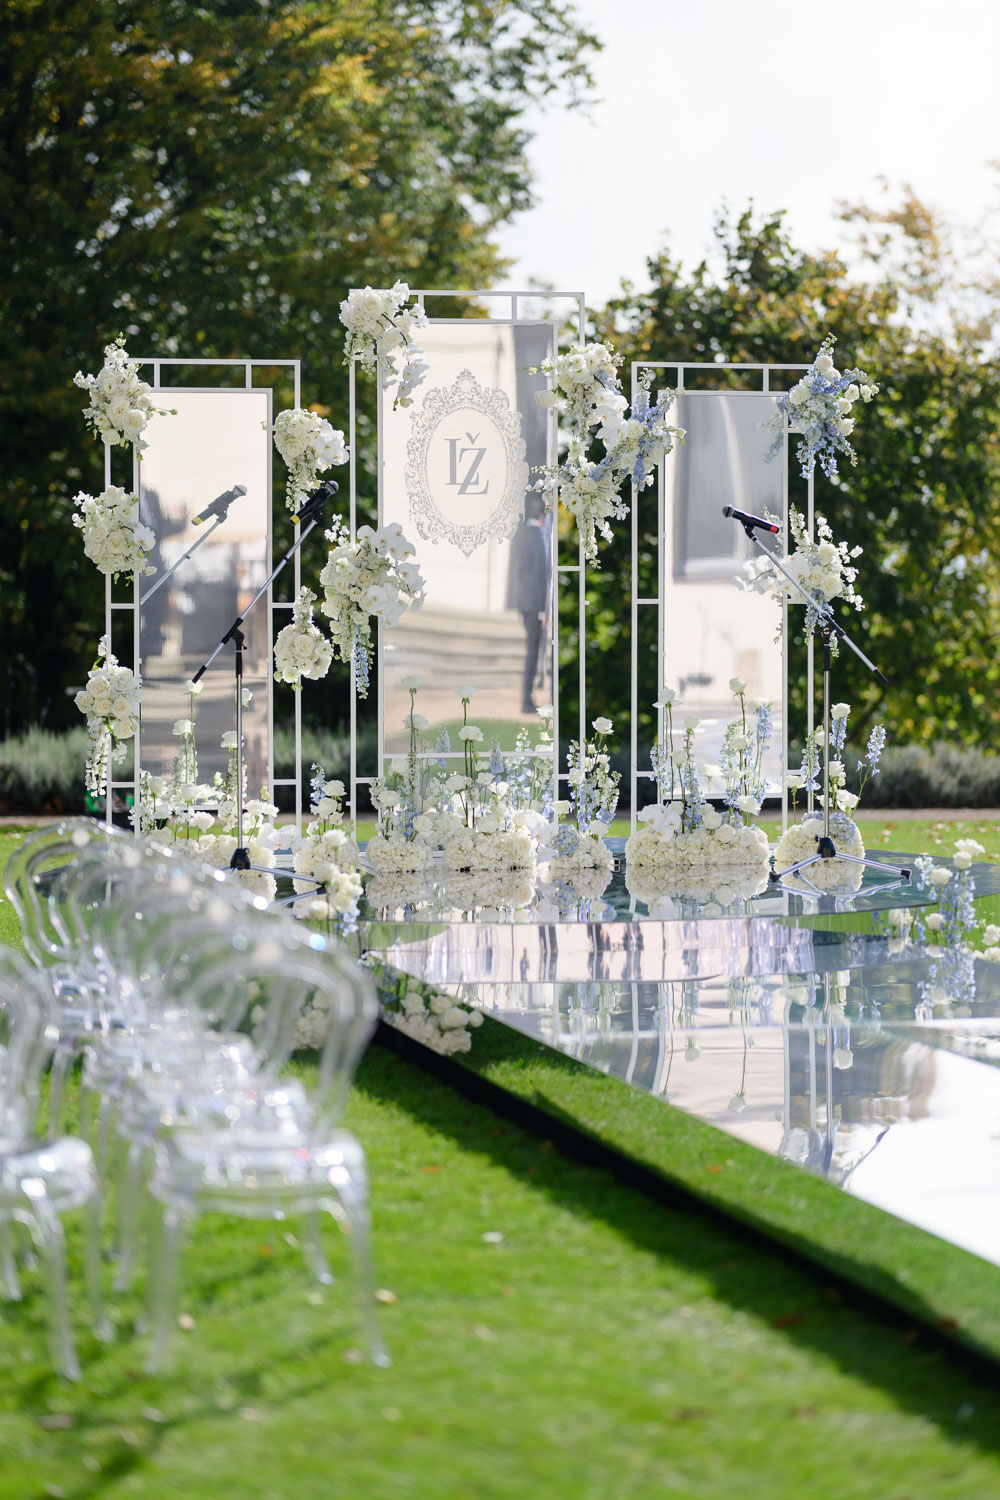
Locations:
(579, 1144)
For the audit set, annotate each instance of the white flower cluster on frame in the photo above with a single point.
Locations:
(110, 701)
(301, 649)
(380, 329)
(819, 409)
(113, 537)
(586, 389)
(823, 567)
(119, 403)
(371, 577)
(309, 446)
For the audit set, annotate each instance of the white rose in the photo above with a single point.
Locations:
(737, 685)
(939, 875)
(602, 726)
(547, 399)
(840, 710)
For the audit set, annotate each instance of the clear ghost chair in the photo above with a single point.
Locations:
(37, 878)
(41, 1181)
(267, 1148)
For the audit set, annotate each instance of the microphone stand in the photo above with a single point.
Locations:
(148, 593)
(829, 627)
(310, 511)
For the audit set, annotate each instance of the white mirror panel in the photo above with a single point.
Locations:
(456, 471)
(219, 439)
(713, 631)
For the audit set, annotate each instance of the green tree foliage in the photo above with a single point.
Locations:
(923, 499)
(211, 179)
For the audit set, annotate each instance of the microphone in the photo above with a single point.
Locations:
(311, 507)
(220, 504)
(745, 520)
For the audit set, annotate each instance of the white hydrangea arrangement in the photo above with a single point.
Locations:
(819, 408)
(119, 403)
(685, 839)
(579, 845)
(380, 329)
(440, 1021)
(302, 650)
(824, 568)
(113, 537)
(326, 850)
(110, 701)
(586, 390)
(309, 446)
(369, 578)
(799, 840)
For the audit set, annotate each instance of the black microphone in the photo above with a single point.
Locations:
(311, 507)
(745, 520)
(220, 504)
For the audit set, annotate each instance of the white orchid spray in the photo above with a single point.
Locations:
(309, 446)
(380, 328)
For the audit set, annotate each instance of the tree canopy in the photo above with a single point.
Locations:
(923, 499)
(210, 180)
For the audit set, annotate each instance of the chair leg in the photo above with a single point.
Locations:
(164, 1283)
(353, 1196)
(48, 1235)
(10, 1286)
(130, 1193)
(314, 1253)
(92, 1266)
(61, 1060)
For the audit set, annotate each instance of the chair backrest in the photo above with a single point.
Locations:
(34, 880)
(27, 1036)
(300, 990)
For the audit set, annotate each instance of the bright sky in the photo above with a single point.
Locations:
(796, 105)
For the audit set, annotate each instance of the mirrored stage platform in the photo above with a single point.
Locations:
(856, 1055)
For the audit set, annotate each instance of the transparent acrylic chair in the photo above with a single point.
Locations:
(38, 878)
(41, 1181)
(267, 1148)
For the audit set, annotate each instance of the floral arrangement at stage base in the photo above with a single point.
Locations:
(663, 889)
(800, 840)
(326, 856)
(479, 818)
(309, 445)
(688, 844)
(579, 846)
(424, 1013)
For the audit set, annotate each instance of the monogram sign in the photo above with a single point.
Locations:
(466, 473)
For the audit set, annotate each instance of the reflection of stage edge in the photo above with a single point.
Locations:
(562, 1101)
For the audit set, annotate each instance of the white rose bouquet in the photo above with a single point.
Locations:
(111, 703)
(119, 403)
(819, 407)
(371, 577)
(309, 446)
(302, 650)
(380, 336)
(113, 537)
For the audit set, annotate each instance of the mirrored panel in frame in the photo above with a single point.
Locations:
(218, 439)
(457, 474)
(713, 630)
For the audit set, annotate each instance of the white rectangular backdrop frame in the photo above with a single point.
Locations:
(679, 370)
(515, 300)
(157, 364)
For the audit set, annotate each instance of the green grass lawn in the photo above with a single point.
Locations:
(555, 1335)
